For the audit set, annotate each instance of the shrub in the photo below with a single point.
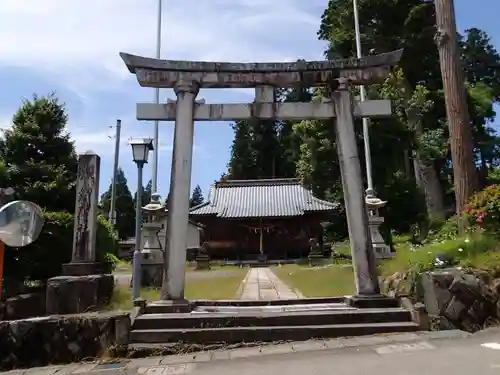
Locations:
(44, 258)
(483, 209)
(447, 231)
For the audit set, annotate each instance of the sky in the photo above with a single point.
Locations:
(71, 47)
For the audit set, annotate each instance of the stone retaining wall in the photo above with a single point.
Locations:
(452, 298)
(60, 339)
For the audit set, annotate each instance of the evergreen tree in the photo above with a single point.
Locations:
(39, 156)
(146, 193)
(125, 206)
(241, 163)
(196, 197)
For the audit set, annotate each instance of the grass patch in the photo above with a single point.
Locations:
(329, 281)
(123, 266)
(216, 287)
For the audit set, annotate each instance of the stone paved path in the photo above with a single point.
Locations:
(263, 284)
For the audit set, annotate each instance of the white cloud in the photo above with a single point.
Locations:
(103, 143)
(80, 39)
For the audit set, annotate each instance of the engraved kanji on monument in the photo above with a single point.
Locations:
(85, 225)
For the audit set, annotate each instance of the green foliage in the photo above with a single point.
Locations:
(196, 197)
(255, 152)
(406, 205)
(466, 252)
(483, 209)
(493, 176)
(440, 231)
(125, 206)
(43, 258)
(39, 156)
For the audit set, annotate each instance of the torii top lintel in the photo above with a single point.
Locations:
(168, 73)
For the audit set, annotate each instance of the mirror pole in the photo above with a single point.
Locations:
(2, 253)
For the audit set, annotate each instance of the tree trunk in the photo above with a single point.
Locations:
(426, 175)
(427, 178)
(462, 152)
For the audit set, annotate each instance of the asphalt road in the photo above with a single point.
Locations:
(450, 356)
(424, 353)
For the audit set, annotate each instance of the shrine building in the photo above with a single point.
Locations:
(254, 219)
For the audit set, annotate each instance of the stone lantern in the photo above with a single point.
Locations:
(382, 251)
(153, 241)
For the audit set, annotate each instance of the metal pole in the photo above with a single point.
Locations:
(136, 271)
(112, 208)
(362, 92)
(154, 179)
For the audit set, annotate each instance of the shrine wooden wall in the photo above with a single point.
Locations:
(240, 238)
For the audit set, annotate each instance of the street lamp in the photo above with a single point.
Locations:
(140, 152)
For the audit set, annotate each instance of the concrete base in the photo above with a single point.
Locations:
(315, 260)
(169, 307)
(152, 275)
(376, 301)
(202, 262)
(81, 269)
(78, 294)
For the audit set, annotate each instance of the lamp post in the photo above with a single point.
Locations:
(140, 152)
(4, 193)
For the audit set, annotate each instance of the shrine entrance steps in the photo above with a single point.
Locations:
(232, 322)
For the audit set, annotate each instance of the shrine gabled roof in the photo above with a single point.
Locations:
(261, 198)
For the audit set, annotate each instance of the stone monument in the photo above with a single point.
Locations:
(336, 76)
(82, 286)
(153, 236)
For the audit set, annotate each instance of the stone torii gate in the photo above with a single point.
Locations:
(187, 77)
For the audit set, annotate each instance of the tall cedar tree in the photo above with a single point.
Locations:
(196, 197)
(125, 206)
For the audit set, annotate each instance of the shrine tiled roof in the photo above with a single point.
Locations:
(261, 198)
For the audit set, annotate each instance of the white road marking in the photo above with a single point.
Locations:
(491, 345)
(182, 368)
(401, 348)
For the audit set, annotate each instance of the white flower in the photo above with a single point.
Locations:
(466, 240)
(460, 249)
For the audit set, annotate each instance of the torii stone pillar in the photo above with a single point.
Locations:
(363, 258)
(180, 182)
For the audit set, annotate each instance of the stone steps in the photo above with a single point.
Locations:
(268, 318)
(208, 305)
(232, 335)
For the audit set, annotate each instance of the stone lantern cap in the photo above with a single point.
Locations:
(375, 203)
(155, 205)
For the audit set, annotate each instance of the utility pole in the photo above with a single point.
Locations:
(459, 124)
(112, 207)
